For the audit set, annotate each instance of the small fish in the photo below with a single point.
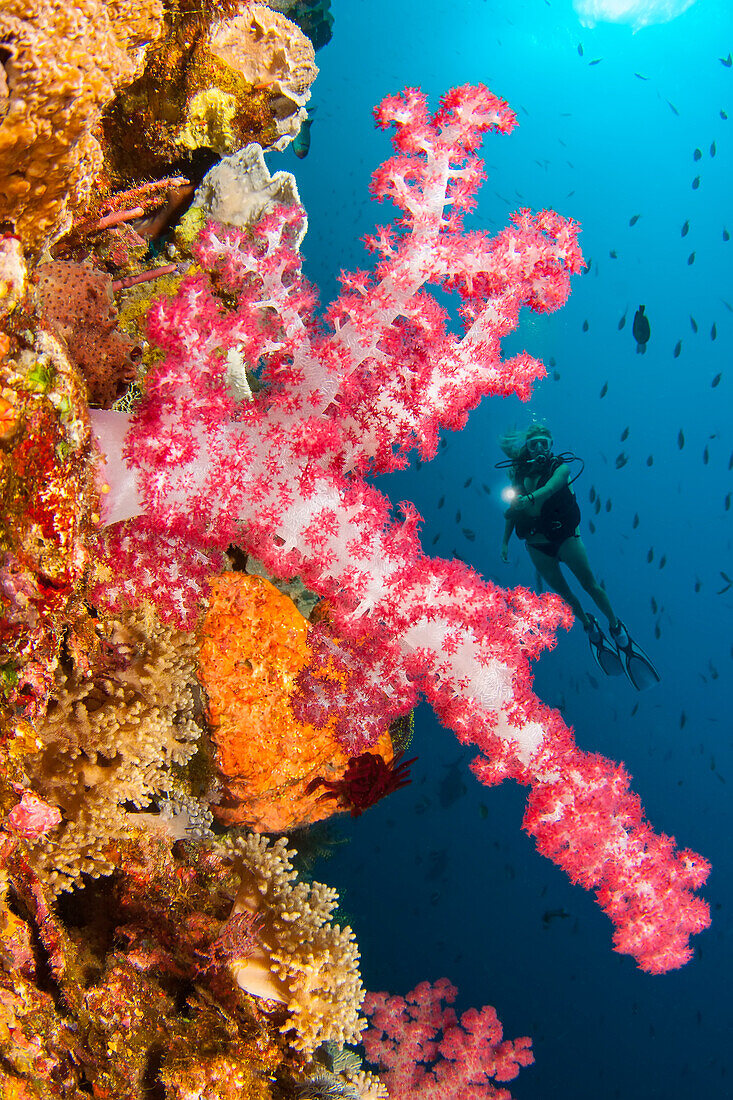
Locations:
(697, 155)
(641, 77)
(641, 330)
(467, 482)
(580, 49)
(672, 107)
(634, 219)
(613, 254)
(680, 439)
(695, 183)
(691, 259)
(625, 434)
(730, 461)
(458, 516)
(662, 561)
(716, 381)
(714, 331)
(591, 527)
(650, 555)
(657, 631)
(698, 584)
(621, 460)
(622, 322)
(723, 115)
(597, 505)
(553, 361)
(726, 235)
(592, 494)
(553, 914)
(683, 720)
(486, 488)
(677, 349)
(441, 502)
(727, 61)
(595, 61)
(469, 534)
(435, 539)
(727, 502)
(650, 460)
(556, 375)
(706, 455)
(693, 324)
(302, 142)
(586, 326)
(635, 521)
(444, 443)
(608, 505)
(713, 149)
(655, 606)
(604, 389)
(685, 229)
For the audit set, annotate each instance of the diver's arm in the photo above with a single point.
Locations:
(559, 478)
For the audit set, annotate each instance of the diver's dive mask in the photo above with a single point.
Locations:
(538, 448)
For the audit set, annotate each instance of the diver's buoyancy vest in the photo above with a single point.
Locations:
(559, 514)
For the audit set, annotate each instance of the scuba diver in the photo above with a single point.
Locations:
(543, 511)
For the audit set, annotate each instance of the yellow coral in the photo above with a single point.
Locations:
(303, 960)
(61, 64)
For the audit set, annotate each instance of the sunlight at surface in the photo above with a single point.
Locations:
(639, 13)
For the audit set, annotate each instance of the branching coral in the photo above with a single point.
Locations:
(61, 64)
(304, 960)
(110, 743)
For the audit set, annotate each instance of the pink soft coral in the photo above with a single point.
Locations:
(424, 1052)
(281, 476)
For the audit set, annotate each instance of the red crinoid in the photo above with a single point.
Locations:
(367, 778)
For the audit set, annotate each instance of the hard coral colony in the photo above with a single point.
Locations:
(158, 697)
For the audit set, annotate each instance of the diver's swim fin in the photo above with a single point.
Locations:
(636, 664)
(605, 654)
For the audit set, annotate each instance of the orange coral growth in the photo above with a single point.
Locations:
(255, 643)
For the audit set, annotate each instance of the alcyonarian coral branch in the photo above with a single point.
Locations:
(279, 475)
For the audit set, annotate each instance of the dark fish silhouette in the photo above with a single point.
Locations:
(613, 254)
(727, 61)
(697, 154)
(621, 460)
(723, 115)
(435, 539)
(458, 516)
(441, 502)
(553, 914)
(713, 149)
(641, 77)
(727, 502)
(677, 349)
(691, 259)
(641, 330)
(726, 235)
(469, 534)
(680, 439)
(672, 107)
(608, 505)
(650, 555)
(685, 229)
(604, 389)
(693, 323)
(591, 527)
(730, 461)
(714, 331)
(655, 606)
(592, 494)
(625, 434)
(597, 505)
(580, 49)
(662, 561)
(595, 61)
(634, 219)
(622, 322)
(683, 720)
(586, 326)
(706, 455)
(556, 375)
(698, 584)
(650, 460)
(467, 482)
(657, 631)
(695, 183)
(635, 521)
(302, 140)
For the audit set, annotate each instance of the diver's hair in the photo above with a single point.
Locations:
(514, 439)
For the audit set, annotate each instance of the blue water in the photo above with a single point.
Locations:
(439, 879)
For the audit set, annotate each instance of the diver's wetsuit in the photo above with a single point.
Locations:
(558, 519)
